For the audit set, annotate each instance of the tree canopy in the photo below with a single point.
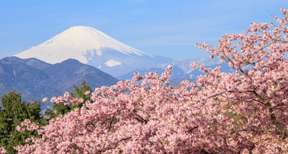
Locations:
(244, 111)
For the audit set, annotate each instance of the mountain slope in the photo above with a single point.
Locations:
(76, 42)
(15, 75)
(176, 77)
(91, 46)
(71, 72)
(35, 79)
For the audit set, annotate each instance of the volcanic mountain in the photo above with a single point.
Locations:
(93, 47)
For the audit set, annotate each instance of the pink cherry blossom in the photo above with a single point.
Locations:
(244, 111)
(2, 150)
(27, 125)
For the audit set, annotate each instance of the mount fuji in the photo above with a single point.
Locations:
(93, 47)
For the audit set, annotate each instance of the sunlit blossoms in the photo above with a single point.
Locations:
(2, 150)
(245, 111)
(67, 99)
(27, 125)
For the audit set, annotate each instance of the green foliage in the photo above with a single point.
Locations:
(56, 110)
(14, 111)
(79, 91)
(61, 109)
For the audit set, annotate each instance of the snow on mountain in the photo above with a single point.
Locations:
(91, 46)
(112, 63)
(76, 42)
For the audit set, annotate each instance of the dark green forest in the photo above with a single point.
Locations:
(14, 111)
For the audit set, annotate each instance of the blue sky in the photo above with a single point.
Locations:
(159, 27)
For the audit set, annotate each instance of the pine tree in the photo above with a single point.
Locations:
(13, 112)
(81, 91)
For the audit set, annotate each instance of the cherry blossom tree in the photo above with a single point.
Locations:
(245, 111)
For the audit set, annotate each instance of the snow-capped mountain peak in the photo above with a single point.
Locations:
(93, 47)
(77, 42)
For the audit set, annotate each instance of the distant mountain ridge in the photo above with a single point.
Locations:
(36, 79)
(91, 46)
(176, 77)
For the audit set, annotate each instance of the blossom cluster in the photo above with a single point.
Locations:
(2, 150)
(244, 111)
(67, 99)
(27, 125)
